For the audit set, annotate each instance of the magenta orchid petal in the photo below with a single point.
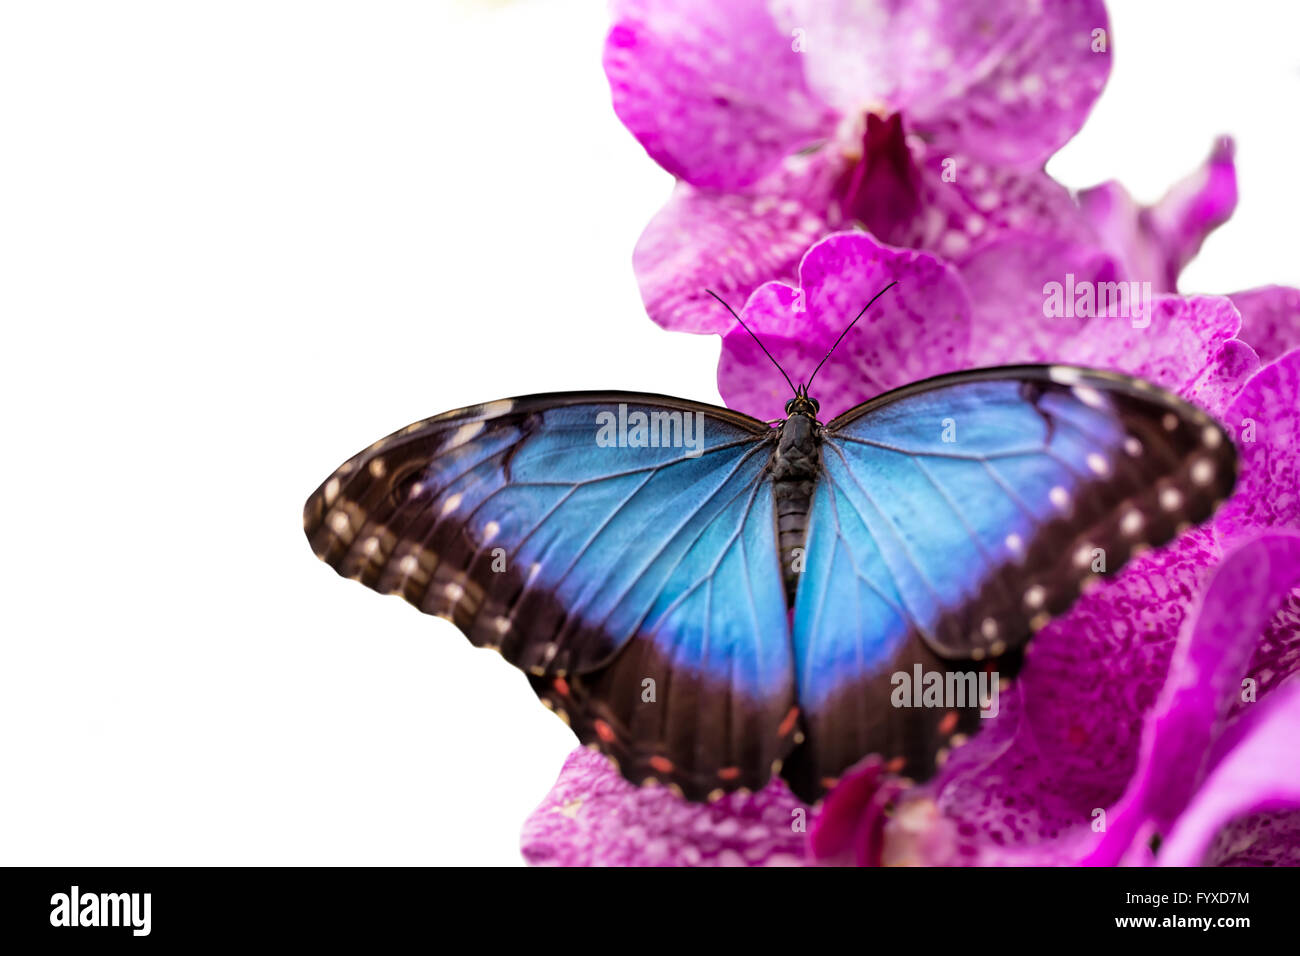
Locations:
(849, 827)
(1156, 242)
(732, 242)
(1262, 838)
(1260, 775)
(713, 91)
(594, 817)
(1225, 377)
(1205, 678)
(1006, 279)
(1176, 345)
(1265, 418)
(1276, 657)
(918, 328)
(785, 121)
(962, 202)
(728, 242)
(1010, 81)
(1270, 319)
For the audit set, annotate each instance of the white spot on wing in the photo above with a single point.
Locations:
(1203, 472)
(1089, 396)
(1064, 375)
(462, 435)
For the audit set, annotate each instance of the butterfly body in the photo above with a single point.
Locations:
(795, 464)
(713, 606)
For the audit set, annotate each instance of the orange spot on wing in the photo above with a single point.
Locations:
(662, 764)
(729, 773)
(949, 723)
(604, 731)
(895, 765)
(561, 686)
(787, 725)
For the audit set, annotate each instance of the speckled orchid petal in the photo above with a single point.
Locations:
(593, 817)
(1276, 656)
(1156, 242)
(713, 91)
(1242, 797)
(732, 242)
(1007, 278)
(920, 327)
(1205, 678)
(1175, 342)
(1270, 319)
(1009, 81)
(728, 242)
(963, 202)
(1265, 418)
(1224, 379)
(1067, 739)
(1262, 838)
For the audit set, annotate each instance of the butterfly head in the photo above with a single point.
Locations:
(802, 403)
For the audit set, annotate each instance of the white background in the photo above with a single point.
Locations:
(239, 241)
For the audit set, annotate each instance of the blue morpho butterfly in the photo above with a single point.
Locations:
(711, 600)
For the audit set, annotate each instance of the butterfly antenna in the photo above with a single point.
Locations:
(756, 338)
(846, 331)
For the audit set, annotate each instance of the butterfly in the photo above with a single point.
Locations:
(712, 600)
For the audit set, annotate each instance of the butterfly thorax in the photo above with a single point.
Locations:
(794, 473)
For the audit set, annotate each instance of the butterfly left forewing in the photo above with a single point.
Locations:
(635, 583)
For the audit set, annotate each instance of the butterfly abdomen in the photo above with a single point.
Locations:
(794, 475)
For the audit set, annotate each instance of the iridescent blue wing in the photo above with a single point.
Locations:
(639, 587)
(954, 518)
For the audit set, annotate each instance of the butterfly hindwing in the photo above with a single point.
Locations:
(637, 584)
(954, 518)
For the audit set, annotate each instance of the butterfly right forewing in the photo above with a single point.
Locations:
(956, 517)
